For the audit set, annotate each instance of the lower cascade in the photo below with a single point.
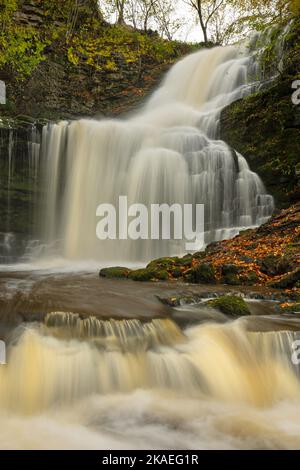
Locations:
(169, 152)
(68, 358)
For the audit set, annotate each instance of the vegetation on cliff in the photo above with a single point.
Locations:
(265, 127)
(61, 59)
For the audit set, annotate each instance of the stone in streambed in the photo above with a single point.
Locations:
(115, 272)
(148, 274)
(230, 305)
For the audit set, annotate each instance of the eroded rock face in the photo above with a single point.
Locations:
(19, 190)
(265, 128)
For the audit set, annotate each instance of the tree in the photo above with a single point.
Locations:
(139, 13)
(159, 15)
(206, 11)
(116, 7)
(168, 23)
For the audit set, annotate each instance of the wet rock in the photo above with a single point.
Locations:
(273, 265)
(148, 274)
(176, 272)
(115, 272)
(230, 269)
(162, 263)
(231, 280)
(230, 274)
(249, 279)
(203, 273)
(289, 280)
(290, 307)
(230, 305)
(180, 300)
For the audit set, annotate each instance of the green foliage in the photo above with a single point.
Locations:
(117, 44)
(21, 51)
(79, 31)
(21, 48)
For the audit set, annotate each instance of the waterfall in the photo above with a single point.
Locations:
(68, 359)
(169, 152)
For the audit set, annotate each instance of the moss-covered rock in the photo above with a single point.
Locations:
(162, 263)
(230, 305)
(202, 273)
(176, 272)
(115, 272)
(230, 269)
(231, 280)
(142, 275)
(185, 261)
(230, 273)
(249, 279)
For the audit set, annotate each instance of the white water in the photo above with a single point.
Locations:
(96, 384)
(167, 153)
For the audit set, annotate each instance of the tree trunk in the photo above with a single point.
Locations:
(202, 23)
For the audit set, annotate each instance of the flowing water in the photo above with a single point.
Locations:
(98, 364)
(92, 383)
(168, 153)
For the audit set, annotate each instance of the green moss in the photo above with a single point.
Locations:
(230, 274)
(162, 275)
(249, 279)
(148, 274)
(230, 269)
(264, 127)
(162, 263)
(176, 272)
(186, 261)
(142, 275)
(230, 305)
(231, 279)
(203, 273)
(115, 272)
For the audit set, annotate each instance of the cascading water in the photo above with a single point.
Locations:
(78, 381)
(90, 383)
(167, 153)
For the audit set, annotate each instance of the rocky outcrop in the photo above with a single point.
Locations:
(19, 189)
(268, 255)
(265, 128)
